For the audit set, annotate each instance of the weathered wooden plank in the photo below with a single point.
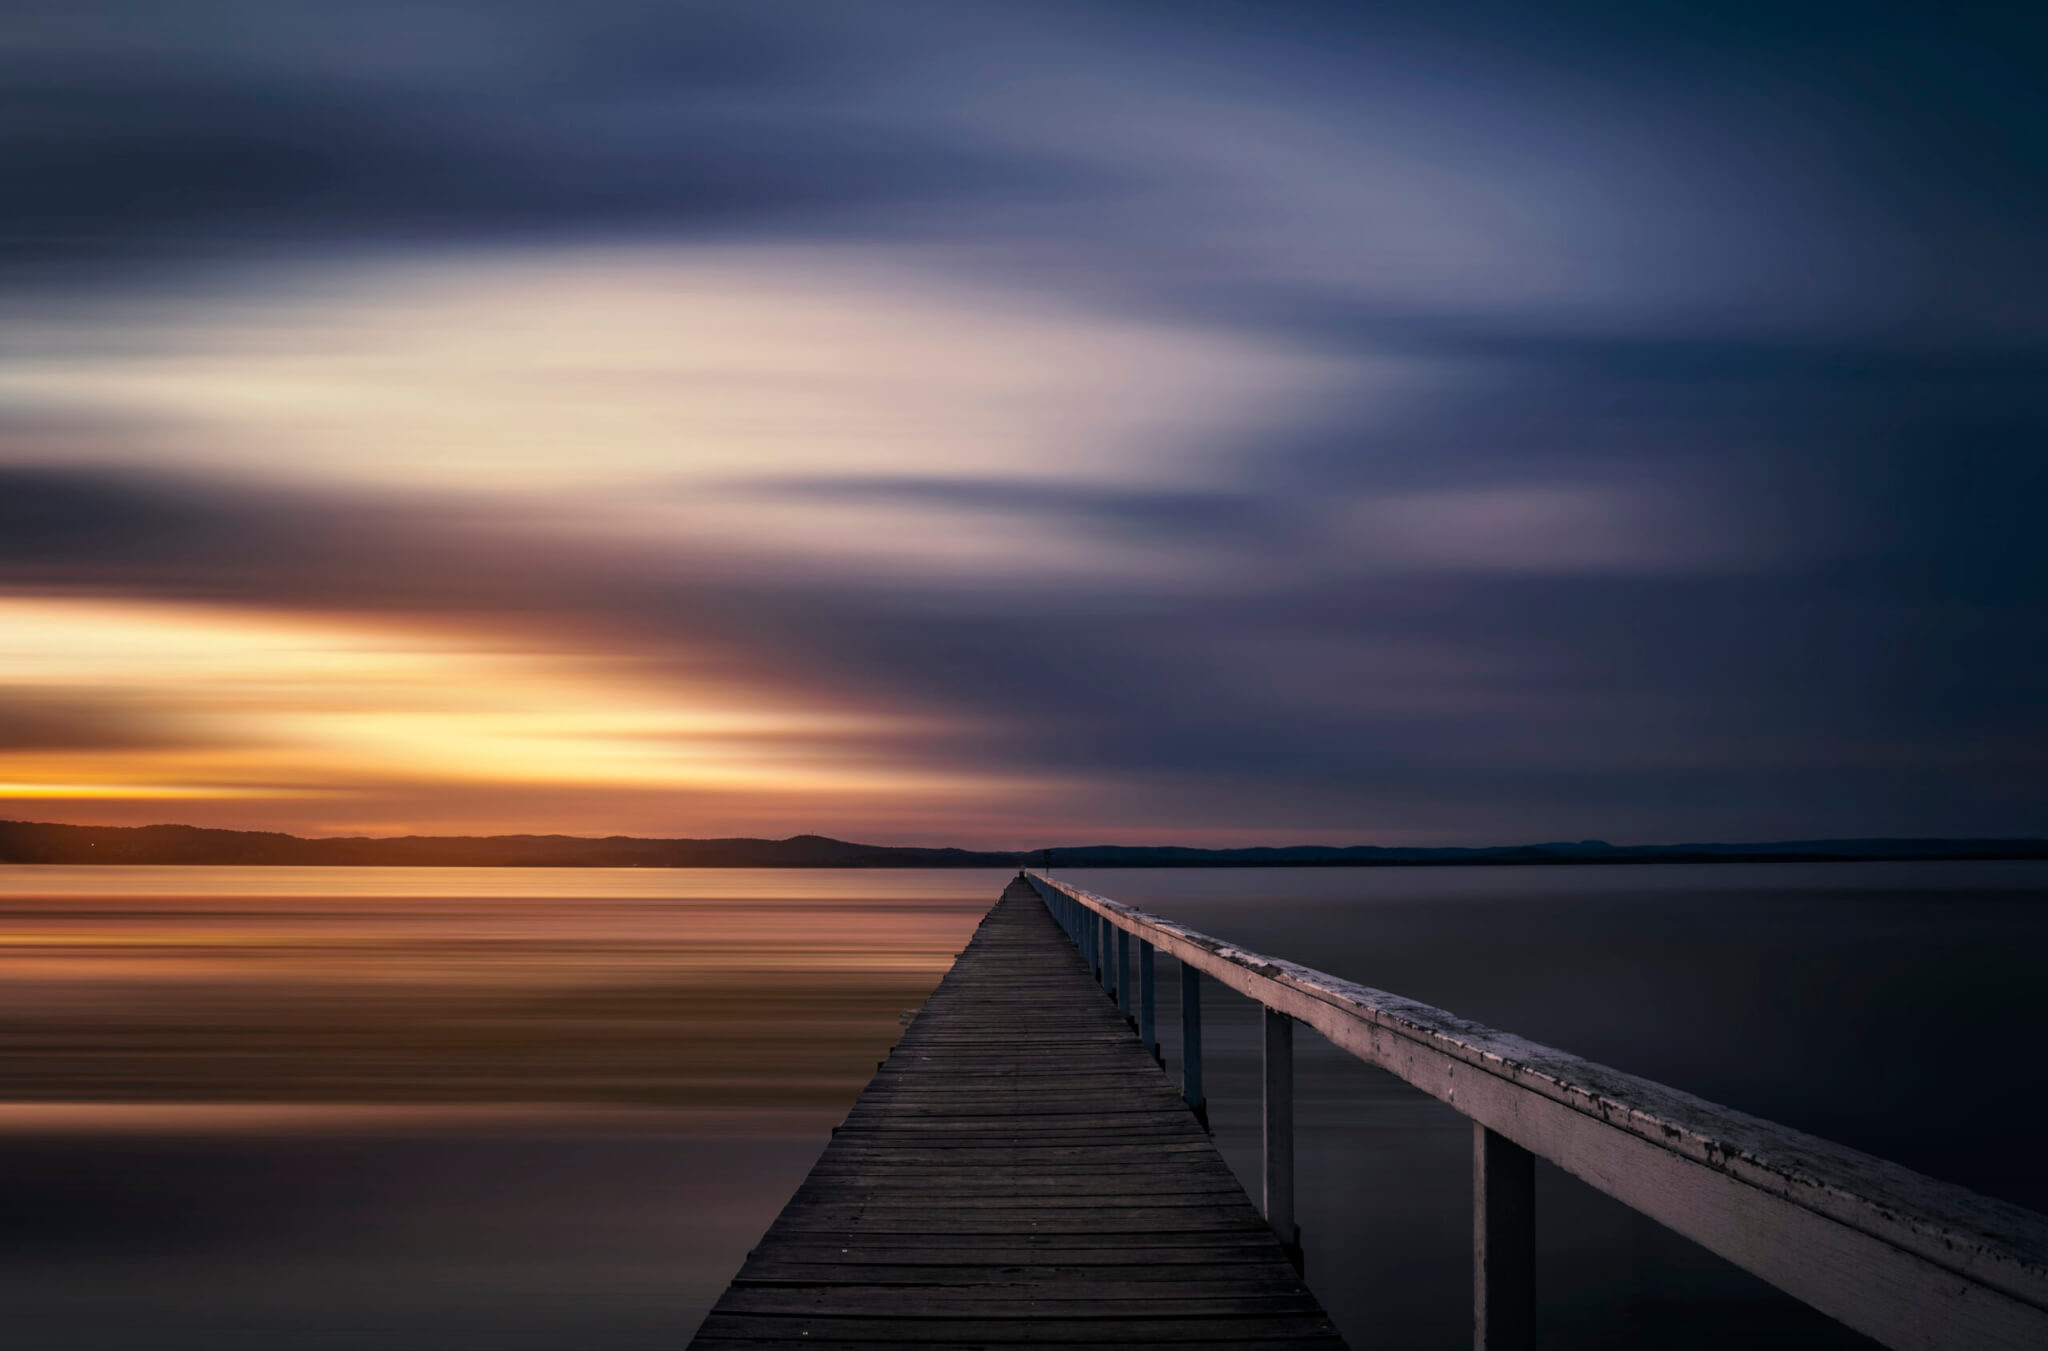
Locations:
(1135, 1140)
(1211, 1278)
(878, 1197)
(1078, 1155)
(1006, 1301)
(996, 1343)
(1245, 1252)
(945, 1222)
(1143, 1174)
(1020, 1172)
(885, 1111)
(1133, 1328)
(1047, 1192)
(1003, 1214)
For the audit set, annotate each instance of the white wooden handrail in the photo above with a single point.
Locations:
(1912, 1262)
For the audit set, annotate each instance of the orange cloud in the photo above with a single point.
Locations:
(348, 723)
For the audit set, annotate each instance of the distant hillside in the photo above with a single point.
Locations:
(36, 842)
(29, 842)
(1581, 851)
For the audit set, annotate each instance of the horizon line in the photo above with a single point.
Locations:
(1590, 844)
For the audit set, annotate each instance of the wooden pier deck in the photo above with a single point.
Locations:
(1019, 1173)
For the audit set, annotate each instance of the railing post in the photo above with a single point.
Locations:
(1148, 1022)
(1191, 1043)
(1503, 1243)
(1108, 946)
(1123, 972)
(1280, 1131)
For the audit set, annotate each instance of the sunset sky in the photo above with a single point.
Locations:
(1022, 424)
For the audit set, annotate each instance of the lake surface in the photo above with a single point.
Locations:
(455, 1108)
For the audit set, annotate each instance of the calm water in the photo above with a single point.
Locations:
(309, 1108)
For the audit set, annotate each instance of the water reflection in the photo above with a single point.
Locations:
(671, 989)
(312, 1108)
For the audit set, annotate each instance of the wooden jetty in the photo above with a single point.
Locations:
(1021, 1172)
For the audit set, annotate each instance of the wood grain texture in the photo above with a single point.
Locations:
(1020, 1172)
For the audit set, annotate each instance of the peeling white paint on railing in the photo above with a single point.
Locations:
(1910, 1261)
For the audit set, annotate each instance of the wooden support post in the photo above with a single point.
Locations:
(1280, 1131)
(1108, 948)
(1148, 1020)
(1191, 1043)
(1503, 1243)
(1123, 973)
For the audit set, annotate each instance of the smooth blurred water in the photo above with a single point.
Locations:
(298, 1108)
(312, 1108)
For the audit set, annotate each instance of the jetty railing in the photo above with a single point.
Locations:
(1914, 1263)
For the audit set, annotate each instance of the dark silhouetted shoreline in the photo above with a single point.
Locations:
(40, 842)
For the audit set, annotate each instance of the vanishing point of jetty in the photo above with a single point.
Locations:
(1022, 1172)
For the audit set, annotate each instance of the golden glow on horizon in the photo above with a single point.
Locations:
(247, 705)
(130, 791)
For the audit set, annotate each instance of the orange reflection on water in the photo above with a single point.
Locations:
(700, 989)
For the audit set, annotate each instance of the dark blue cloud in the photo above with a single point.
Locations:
(594, 120)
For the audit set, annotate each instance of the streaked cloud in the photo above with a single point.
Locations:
(1001, 424)
(603, 370)
(1554, 528)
